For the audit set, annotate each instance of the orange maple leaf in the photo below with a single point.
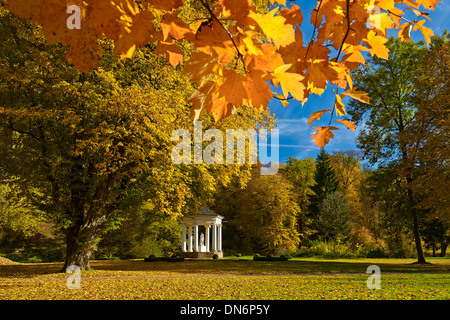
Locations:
(323, 136)
(348, 124)
(317, 115)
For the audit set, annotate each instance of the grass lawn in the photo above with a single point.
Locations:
(299, 278)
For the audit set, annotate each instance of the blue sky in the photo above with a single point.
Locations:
(295, 135)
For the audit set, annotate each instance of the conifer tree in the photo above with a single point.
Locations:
(326, 183)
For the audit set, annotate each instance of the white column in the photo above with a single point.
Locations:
(190, 239)
(219, 240)
(214, 238)
(183, 238)
(196, 237)
(207, 227)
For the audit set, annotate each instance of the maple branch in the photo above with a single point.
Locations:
(400, 16)
(240, 56)
(334, 106)
(347, 16)
(197, 19)
(285, 99)
(315, 29)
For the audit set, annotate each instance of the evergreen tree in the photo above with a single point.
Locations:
(327, 183)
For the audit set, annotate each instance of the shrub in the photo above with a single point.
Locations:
(52, 254)
(148, 247)
(400, 246)
(376, 253)
(271, 258)
(215, 256)
(34, 259)
(318, 249)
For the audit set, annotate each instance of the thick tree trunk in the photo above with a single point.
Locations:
(78, 252)
(80, 241)
(79, 259)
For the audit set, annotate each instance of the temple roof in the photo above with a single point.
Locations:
(205, 211)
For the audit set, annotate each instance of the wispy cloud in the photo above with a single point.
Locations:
(292, 127)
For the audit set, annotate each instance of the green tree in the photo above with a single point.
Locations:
(347, 166)
(394, 99)
(389, 216)
(17, 212)
(436, 235)
(428, 136)
(334, 218)
(326, 182)
(301, 174)
(98, 144)
(143, 231)
(266, 216)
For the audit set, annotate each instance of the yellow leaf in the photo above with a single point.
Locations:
(282, 2)
(358, 95)
(275, 28)
(290, 82)
(340, 107)
(427, 33)
(376, 45)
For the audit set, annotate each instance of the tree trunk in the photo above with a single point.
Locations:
(78, 252)
(79, 259)
(411, 201)
(415, 216)
(80, 241)
(444, 245)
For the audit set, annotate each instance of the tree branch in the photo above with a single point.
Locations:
(347, 17)
(315, 29)
(207, 7)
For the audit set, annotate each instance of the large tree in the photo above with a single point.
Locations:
(96, 144)
(394, 101)
(300, 174)
(429, 134)
(261, 216)
(267, 215)
(326, 181)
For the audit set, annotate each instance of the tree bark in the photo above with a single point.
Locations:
(409, 179)
(77, 252)
(80, 241)
(415, 216)
(444, 245)
(420, 256)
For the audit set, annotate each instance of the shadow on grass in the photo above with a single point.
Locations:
(238, 267)
(296, 266)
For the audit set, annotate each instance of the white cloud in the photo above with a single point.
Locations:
(292, 127)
